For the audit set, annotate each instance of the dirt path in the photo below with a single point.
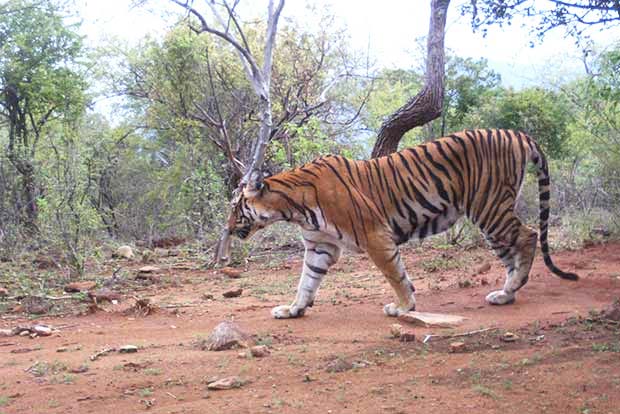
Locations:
(562, 361)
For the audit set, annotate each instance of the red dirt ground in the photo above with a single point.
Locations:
(563, 361)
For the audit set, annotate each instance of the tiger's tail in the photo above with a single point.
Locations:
(538, 158)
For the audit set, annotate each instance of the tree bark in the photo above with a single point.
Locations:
(428, 103)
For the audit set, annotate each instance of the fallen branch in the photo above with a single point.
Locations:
(470, 333)
(101, 353)
(180, 305)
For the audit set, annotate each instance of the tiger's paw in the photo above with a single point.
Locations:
(392, 309)
(287, 312)
(500, 297)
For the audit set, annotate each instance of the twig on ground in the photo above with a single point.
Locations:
(105, 351)
(179, 305)
(439, 336)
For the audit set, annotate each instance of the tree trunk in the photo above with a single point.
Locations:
(30, 198)
(428, 103)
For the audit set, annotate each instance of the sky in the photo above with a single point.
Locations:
(387, 29)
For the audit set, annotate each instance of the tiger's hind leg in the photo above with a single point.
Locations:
(387, 258)
(516, 248)
(318, 258)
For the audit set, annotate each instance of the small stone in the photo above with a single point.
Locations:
(395, 330)
(484, 281)
(3, 292)
(231, 272)
(338, 365)
(463, 284)
(242, 355)
(483, 269)
(509, 337)
(457, 347)
(75, 287)
(104, 294)
(128, 349)
(259, 351)
(207, 296)
(6, 332)
(226, 335)
(149, 269)
(62, 349)
(431, 319)
(79, 370)
(233, 293)
(41, 330)
(125, 252)
(407, 336)
(226, 383)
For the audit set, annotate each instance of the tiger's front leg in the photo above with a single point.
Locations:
(386, 256)
(317, 260)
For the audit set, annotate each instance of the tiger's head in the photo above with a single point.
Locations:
(252, 208)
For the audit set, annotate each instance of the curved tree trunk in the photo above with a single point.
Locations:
(427, 104)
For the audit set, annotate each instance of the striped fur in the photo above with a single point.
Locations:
(374, 205)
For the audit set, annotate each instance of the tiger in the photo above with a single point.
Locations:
(376, 205)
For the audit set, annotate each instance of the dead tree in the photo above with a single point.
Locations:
(259, 77)
(428, 103)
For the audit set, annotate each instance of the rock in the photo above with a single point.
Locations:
(612, 312)
(395, 330)
(431, 319)
(483, 268)
(41, 330)
(162, 252)
(62, 349)
(484, 281)
(226, 335)
(6, 332)
(75, 287)
(233, 293)
(3, 292)
(125, 252)
(149, 269)
(207, 296)
(259, 351)
(466, 283)
(128, 349)
(147, 256)
(338, 365)
(457, 347)
(407, 336)
(226, 383)
(509, 337)
(79, 370)
(104, 294)
(231, 272)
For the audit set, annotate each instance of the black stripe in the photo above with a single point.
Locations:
(317, 270)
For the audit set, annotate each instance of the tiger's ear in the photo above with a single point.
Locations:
(254, 184)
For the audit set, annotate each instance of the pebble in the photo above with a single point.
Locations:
(226, 383)
(457, 347)
(407, 336)
(233, 293)
(128, 349)
(395, 330)
(509, 337)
